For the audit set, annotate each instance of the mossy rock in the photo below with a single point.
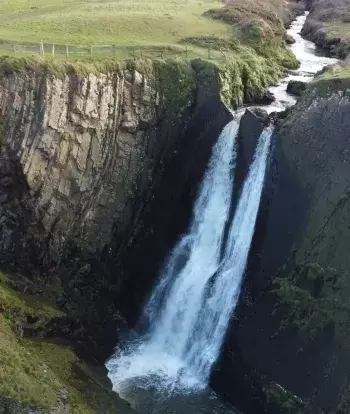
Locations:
(256, 30)
(40, 375)
(316, 297)
(27, 311)
(296, 88)
(290, 39)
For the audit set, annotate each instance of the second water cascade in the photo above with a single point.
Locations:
(190, 308)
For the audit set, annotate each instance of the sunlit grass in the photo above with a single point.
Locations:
(338, 29)
(121, 22)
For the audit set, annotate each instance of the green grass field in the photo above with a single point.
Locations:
(139, 22)
(249, 33)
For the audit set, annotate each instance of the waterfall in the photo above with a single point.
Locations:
(191, 306)
(222, 298)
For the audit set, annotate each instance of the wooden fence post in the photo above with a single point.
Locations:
(14, 49)
(186, 52)
(91, 51)
(53, 50)
(115, 50)
(42, 52)
(209, 54)
(67, 52)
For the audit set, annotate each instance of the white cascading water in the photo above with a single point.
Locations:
(190, 307)
(222, 296)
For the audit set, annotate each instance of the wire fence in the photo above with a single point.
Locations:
(58, 51)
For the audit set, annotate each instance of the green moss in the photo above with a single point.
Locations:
(247, 76)
(87, 389)
(23, 376)
(17, 306)
(175, 83)
(35, 372)
(344, 403)
(315, 297)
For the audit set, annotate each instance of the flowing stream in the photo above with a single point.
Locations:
(312, 60)
(167, 370)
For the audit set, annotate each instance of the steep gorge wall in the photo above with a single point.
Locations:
(82, 145)
(291, 327)
(98, 174)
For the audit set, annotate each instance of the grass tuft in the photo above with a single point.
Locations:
(35, 371)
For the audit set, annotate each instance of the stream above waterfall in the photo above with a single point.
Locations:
(311, 59)
(167, 369)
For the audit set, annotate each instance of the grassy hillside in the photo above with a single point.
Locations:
(107, 22)
(199, 24)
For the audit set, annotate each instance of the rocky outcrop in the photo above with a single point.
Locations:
(327, 26)
(294, 303)
(296, 87)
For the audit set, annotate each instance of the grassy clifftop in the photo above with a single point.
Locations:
(202, 25)
(245, 41)
(333, 79)
(120, 22)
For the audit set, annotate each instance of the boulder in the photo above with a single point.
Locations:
(296, 87)
(290, 39)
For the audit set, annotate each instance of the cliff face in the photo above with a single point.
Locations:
(82, 148)
(295, 298)
(98, 174)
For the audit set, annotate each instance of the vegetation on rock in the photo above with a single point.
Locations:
(316, 297)
(296, 87)
(44, 373)
(328, 25)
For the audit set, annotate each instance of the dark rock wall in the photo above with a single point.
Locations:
(295, 332)
(166, 213)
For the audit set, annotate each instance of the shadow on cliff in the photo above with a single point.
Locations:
(281, 217)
